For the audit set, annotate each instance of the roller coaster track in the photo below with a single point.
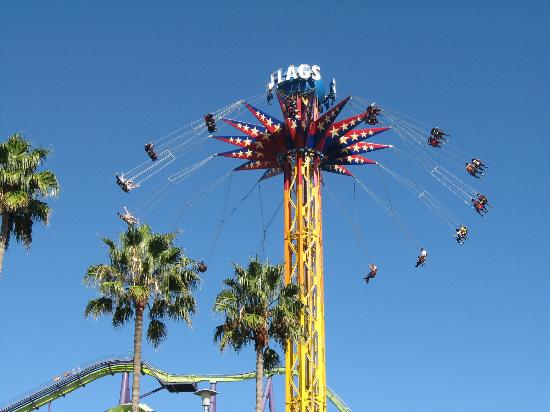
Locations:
(174, 383)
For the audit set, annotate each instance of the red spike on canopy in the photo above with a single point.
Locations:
(363, 147)
(269, 122)
(252, 130)
(272, 172)
(354, 136)
(341, 170)
(241, 141)
(245, 154)
(257, 164)
(351, 160)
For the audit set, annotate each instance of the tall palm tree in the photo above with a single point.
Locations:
(22, 191)
(258, 308)
(146, 272)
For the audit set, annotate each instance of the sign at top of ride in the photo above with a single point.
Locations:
(298, 78)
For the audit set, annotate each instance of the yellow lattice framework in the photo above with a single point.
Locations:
(305, 361)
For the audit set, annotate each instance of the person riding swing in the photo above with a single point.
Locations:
(432, 141)
(372, 274)
(149, 148)
(479, 207)
(438, 134)
(128, 217)
(461, 234)
(478, 164)
(372, 115)
(422, 257)
(473, 171)
(210, 123)
(125, 184)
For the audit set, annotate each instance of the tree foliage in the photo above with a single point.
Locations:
(146, 269)
(258, 309)
(23, 190)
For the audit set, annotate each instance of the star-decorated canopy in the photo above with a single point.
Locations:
(339, 143)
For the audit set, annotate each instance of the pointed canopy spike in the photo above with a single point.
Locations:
(350, 160)
(323, 123)
(257, 164)
(338, 169)
(351, 137)
(252, 130)
(333, 112)
(269, 122)
(246, 154)
(358, 148)
(271, 172)
(241, 141)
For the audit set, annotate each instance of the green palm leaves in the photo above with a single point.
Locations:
(147, 270)
(23, 190)
(258, 309)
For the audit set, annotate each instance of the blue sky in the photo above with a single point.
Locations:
(95, 80)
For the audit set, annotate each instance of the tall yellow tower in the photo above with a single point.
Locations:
(301, 147)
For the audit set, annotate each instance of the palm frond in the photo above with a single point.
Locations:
(271, 359)
(97, 307)
(156, 332)
(22, 187)
(122, 313)
(257, 307)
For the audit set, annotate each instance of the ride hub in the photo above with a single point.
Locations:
(296, 79)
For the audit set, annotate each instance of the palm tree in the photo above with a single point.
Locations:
(146, 272)
(22, 191)
(258, 307)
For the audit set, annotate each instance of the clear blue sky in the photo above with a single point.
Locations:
(95, 80)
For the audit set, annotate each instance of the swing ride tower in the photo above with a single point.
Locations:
(303, 247)
(301, 147)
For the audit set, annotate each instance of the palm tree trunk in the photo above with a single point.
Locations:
(138, 334)
(4, 234)
(259, 379)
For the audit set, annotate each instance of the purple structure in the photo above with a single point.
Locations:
(124, 390)
(212, 407)
(268, 394)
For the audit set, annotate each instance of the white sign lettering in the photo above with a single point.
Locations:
(304, 72)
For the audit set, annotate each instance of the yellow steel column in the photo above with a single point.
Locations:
(305, 361)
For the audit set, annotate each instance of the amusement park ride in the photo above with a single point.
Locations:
(301, 147)
(307, 141)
